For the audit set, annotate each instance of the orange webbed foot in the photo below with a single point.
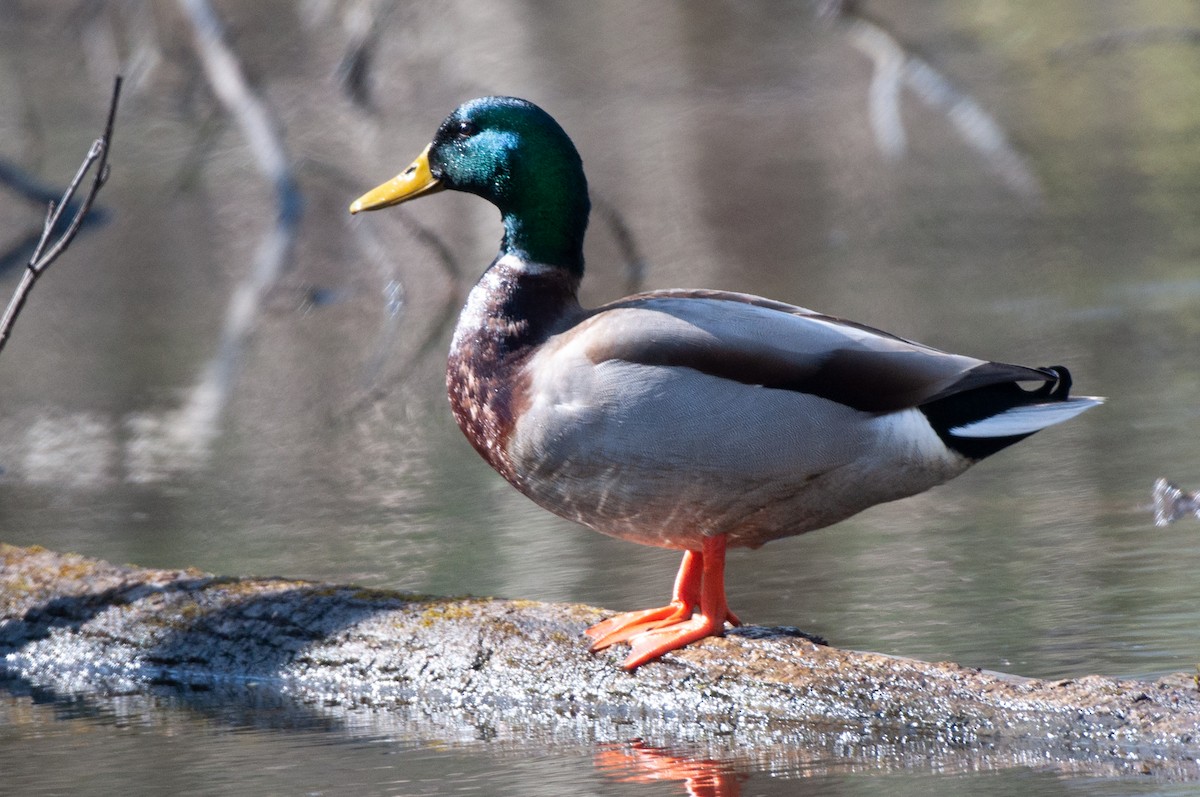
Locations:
(653, 632)
(624, 627)
(649, 645)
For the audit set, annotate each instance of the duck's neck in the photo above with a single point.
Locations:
(545, 215)
(532, 240)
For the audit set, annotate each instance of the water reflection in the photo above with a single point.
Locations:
(256, 741)
(637, 762)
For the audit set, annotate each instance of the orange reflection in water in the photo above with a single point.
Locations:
(636, 762)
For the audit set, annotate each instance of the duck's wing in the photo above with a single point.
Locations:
(759, 342)
(716, 411)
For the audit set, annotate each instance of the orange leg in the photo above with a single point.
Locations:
(653, 632)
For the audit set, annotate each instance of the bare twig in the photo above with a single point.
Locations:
(26, 186)
(48, 249)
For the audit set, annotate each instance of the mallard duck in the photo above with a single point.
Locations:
(687, 419)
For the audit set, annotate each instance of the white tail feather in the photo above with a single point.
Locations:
(1027, 419)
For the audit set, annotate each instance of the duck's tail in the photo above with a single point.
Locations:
(980, 420)
(1026, 418)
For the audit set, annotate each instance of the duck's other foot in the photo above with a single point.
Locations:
(649, 645)
(653, 632)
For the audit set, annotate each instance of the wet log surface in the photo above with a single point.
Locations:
(519, 672)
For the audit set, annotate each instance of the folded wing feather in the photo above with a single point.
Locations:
(759, 342)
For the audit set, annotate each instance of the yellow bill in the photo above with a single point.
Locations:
(417, 180)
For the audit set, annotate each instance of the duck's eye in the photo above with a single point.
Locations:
(464, 129)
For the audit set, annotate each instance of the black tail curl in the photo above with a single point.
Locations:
(1058, 389)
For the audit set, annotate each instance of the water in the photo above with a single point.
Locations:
(734, 141)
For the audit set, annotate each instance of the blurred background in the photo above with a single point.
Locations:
(1017, 181)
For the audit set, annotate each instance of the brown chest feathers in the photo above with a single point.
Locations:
(512, 310)
(486, 395)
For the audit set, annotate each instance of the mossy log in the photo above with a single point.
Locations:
(78, 626)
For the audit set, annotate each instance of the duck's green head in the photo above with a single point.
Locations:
(513, 154)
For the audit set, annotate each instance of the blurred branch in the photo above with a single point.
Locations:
(27, 186)
(48, 248)
(631, 253)
(883, 96)
(364, 22)
(978, 128)
(198, 420)
(896, 65)
(374, 388)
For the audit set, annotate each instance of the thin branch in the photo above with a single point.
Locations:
(22, 183)
(49, 249)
